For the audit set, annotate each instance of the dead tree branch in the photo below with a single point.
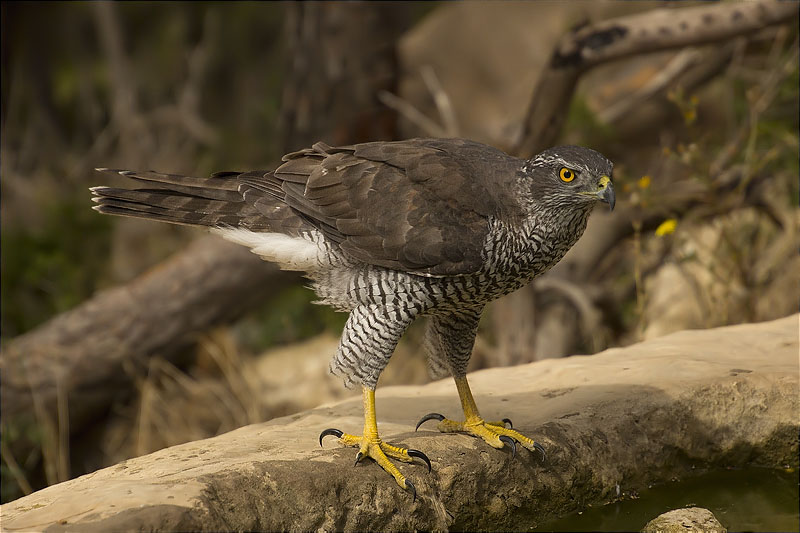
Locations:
(661, 29)
(84, 350)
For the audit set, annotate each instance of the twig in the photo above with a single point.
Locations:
(674, 69)
(189, 100)
(768, 89)
(62, 419)
(412, 114)
(124, 110)
(14, 468)
(442, 101)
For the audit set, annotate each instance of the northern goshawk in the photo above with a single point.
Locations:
(391, 231)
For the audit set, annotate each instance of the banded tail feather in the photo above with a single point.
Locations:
(246, 208)
(221, 200)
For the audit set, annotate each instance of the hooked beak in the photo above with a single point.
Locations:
(605, 192)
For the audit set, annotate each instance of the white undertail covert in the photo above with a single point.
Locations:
(290, 253)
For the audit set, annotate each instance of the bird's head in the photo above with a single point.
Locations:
(570, 176)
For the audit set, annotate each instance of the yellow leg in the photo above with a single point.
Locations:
(496, 434)
(370, 444)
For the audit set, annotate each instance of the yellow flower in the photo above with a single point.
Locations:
(667, 227)
(644, 182)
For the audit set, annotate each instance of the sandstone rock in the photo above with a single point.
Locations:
(710, 284)
(689, 520)
(629, 417)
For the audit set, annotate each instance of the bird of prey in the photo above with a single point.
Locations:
(389, 232)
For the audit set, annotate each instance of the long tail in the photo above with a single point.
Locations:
(222, 200)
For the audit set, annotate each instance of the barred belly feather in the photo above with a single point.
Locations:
(383, 303)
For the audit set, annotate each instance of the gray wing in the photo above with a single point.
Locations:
(421, 205)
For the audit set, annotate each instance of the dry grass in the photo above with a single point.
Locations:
(225, 390)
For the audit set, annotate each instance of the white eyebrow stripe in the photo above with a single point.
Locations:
(572, 165)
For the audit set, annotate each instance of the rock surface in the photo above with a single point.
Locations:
(623, 418)
(689, 520)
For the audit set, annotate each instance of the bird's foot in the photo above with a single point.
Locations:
(496, 434)
(379, 451)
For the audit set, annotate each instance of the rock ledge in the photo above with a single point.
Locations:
(618, 420)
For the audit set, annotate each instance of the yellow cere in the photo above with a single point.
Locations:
(566, 174)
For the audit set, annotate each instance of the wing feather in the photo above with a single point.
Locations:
(421, 205)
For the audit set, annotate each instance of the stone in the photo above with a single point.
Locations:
(629, 416)
(688, 520)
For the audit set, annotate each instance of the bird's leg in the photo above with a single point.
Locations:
(496, 434)
(370, 444)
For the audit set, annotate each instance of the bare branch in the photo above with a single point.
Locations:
(666, 29)
(124, 107)
(14, 468)
(189, 101)
(442, 101)
(677, 66)
(767, 91)
(412, 114)
(651, 31)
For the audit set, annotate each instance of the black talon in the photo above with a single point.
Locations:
(508, 421)
(416, 453)
(429, 416)
(541, 450)
(330, 431)
(510, 442)
(411, 486)
(359, 455)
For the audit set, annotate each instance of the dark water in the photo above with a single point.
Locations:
(750, 499)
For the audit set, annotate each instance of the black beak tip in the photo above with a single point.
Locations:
(609, 196)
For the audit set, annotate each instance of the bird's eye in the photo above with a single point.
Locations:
(566, 174)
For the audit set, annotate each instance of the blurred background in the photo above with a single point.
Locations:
(121, 336)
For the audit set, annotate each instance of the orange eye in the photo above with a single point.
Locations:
(566, 174)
